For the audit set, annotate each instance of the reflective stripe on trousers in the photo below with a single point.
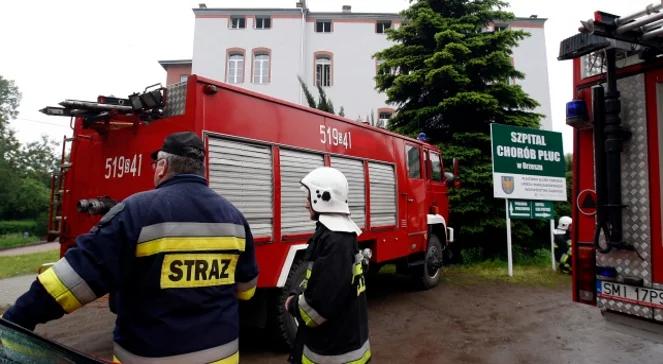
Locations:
(358, 356)
(223, 354)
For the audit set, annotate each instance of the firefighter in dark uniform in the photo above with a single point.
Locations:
(174, 260)
(331, 309)
(563, 244)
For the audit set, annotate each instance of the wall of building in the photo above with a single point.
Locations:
(530, 58)
(176, 71)
(352, 43)
(213, 38)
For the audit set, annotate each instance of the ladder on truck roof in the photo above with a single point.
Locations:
(640, 32)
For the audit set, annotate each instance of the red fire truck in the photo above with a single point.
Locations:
(617, 171)
(258, 149)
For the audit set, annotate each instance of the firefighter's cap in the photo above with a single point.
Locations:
(184, 144)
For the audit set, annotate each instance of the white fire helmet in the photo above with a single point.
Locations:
(564, 223)
(328, 190)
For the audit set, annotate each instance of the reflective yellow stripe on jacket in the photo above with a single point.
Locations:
(66, 286)
(358, 356)
(310, 316)
(223, 354)
(246, 290)
(171, 237)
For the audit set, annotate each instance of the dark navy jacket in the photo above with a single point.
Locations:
(174, 260)
(332, 309)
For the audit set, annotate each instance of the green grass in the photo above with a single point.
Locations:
(26, 264)
(534, 274)
(532, 270)
(15, 240)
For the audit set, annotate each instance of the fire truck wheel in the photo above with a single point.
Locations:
(283, 327)
(430, 274)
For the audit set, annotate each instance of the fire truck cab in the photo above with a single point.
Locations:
(617, 116)
(258, 149)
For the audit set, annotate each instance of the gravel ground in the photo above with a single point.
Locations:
(12, 288)
(36, 248)
(482, 322)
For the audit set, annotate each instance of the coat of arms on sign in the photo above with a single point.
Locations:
(507, 184)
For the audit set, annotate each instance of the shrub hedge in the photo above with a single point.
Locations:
(20, 226)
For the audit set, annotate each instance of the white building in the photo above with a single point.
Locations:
(265, 50)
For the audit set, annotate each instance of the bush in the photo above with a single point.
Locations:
(472, 255)
(539, 257)
(19, 227)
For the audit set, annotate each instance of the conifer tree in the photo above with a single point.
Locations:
(450, 74)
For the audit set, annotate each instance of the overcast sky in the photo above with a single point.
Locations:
(56, 50)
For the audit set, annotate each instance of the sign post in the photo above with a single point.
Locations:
(552, 242)
(508, 240)
(528, 164)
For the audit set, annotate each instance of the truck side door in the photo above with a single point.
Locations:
(436, 187)
(415, 195)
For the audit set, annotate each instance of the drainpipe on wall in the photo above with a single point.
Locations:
(302, 7)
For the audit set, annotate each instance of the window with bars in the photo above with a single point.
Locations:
(323, 71)
(383, 119)
(261, 64)
(263, 22)
(235, 68)
(381, 26)
(323, 26)
(237, 22)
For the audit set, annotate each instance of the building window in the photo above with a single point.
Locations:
(237, 22)
(381, 26)
(383, 118)
(235, 68)
(323, 26)
(261, 64)
(413, 165)
(323, 70)
(184, 77)
(263, 22)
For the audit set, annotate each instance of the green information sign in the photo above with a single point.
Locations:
(527, 163)
(523, 209)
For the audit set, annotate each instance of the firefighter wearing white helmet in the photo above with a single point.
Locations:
(331, 310)
(562, 244)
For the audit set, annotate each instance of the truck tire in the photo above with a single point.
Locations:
(430, 273)
(283, 327)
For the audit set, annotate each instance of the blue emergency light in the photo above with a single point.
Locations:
(576, 114)
(606, 273)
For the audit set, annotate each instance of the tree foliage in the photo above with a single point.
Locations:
(24, 170)
(10, 98)
(450, 73)
(323, 103)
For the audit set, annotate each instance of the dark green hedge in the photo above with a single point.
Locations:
(20, 226)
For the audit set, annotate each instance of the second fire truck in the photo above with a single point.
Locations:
(617, 116)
